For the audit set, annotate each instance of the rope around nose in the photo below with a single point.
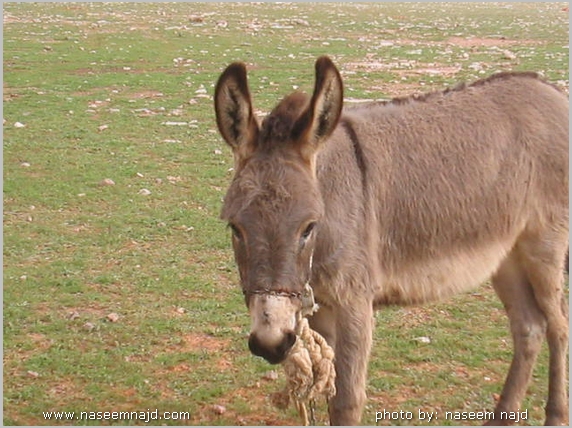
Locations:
(309, 366)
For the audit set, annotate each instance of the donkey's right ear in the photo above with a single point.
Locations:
(234, 113)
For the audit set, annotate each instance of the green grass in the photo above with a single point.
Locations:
(94, 85)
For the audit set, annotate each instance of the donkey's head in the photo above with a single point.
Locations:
(273, 205)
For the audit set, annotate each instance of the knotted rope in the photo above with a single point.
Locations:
(309, 366)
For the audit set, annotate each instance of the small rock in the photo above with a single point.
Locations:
(144, 192)
(73, 315)
(506, 54)
(89, 326)
(23, 278)
(218, 152)
(25, 165)
(139, 175)
(19, 125)
(173, 180)
(302, 22)
(112, 317)
(423, 339)
(181, 311)
(102, 127)
(201, 90)
(169, 123)
(107, 182)
(218, 409)
(270, 375)
(33, 374)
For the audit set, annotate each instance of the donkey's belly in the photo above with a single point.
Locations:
(439, 278)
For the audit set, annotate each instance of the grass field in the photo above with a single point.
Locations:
(120, 291)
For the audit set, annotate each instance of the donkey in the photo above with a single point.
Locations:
(400, 203)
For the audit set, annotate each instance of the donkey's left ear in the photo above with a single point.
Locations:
(322, 115)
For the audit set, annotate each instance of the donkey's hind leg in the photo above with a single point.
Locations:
(542, 261)
(527, 325)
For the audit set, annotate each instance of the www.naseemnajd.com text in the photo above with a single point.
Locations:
(429, 416)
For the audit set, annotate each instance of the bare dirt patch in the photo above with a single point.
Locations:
(202, 342)
(471, 42)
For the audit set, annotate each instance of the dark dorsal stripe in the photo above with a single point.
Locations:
(358, 151)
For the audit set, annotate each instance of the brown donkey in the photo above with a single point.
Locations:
(397, 203)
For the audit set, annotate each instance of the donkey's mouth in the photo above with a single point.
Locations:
(275, 353)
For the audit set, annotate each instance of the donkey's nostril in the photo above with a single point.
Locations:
(287, 343)
(274, 353)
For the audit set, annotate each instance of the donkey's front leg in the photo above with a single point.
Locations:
(354, 329)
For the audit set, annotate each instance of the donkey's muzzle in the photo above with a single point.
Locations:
(273, 353)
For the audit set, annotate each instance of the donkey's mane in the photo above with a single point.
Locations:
(428, 96)
(278, 125)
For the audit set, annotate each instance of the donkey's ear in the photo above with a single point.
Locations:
(234, 114)
(322, 115)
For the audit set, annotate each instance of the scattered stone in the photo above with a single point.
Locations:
(301, 22)
(19, 125)
(89, 326)
(196, 19)
(25, 165)
(112, 317)
(107, 182)
(145, 192)
(174, 180)
(218, 409)
(102, 127)
(33, 374)
(423, 339)
(506, 54)
(181, 311)
(73, 315)
(201, 90)
(270, 375)
(175, 123)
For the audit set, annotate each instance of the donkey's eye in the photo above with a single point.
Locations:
(236, 233)
(308, 231)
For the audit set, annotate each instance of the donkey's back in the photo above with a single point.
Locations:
(451, 181)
